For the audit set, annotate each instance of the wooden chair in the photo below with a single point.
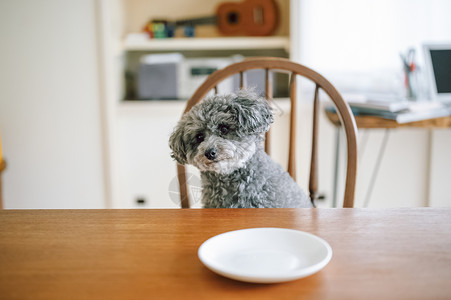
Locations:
(270, 64)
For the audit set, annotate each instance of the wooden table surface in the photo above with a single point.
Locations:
(152, 254)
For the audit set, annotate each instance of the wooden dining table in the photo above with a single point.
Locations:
(400, 253)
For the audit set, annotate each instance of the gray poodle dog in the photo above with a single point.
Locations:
(223, 137)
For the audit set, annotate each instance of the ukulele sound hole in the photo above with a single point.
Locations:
(233, 17)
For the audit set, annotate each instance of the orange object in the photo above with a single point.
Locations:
(251, 17)
(1, 155)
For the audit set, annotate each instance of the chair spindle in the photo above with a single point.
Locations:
(269, 96)
(313, 180)
(184, 199)
(292, 146)
(242, 80)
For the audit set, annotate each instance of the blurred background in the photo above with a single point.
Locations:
(78, 131)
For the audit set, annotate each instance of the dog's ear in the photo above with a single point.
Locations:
(178, 145)
(253, 112)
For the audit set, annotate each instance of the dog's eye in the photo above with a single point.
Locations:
(223, 129)
(200, 137)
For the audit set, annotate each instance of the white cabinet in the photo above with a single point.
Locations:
(145, 166)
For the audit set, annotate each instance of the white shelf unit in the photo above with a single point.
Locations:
(140, 166)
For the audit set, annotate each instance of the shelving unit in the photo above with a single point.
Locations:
(139, 155)
(198, 48)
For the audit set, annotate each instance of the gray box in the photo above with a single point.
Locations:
(157, 81)
(176, 80)
(253, 79)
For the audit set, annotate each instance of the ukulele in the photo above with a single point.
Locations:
(250, 17)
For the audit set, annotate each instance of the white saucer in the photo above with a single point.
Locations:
(265, 255)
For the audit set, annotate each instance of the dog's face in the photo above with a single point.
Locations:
(221, 133)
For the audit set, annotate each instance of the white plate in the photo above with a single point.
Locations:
(265, 255)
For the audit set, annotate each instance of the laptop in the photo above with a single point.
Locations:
(438, 71)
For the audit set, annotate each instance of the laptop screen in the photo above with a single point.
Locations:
(438, 65)
(441, 65)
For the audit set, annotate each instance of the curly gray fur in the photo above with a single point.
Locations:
(223, 137)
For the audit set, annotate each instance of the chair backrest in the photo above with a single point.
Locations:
(270, 64)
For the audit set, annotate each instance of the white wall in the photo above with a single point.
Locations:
(356, 37)
(49, 105)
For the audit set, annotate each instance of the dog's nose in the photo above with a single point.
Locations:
(211, 153)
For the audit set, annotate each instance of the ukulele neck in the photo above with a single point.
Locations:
(197, 21)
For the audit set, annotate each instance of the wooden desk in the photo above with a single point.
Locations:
(152, 254)
(373, 122)
(366, 122)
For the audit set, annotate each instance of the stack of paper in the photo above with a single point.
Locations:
(397, 108)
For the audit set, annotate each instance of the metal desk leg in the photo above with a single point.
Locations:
(337, 164)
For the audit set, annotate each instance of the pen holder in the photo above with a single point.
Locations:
(412, 84)
(412, 73)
